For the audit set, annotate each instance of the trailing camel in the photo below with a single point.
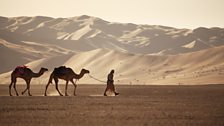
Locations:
(25, 73)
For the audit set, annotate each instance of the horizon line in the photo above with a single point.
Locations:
(55, 17)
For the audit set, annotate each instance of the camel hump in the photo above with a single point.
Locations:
(62, 70)
(22, 66)
(62, 67)
(20, 69)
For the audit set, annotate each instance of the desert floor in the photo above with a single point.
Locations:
(136, 105)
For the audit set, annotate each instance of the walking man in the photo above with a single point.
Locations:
(110, 89)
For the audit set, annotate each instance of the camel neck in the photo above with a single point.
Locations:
(80, 75)
(38, 74)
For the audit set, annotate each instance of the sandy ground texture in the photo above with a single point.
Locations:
(135, 106)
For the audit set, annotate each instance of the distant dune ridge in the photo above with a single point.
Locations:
(140, 54)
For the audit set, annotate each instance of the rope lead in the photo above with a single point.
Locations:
(96, 79)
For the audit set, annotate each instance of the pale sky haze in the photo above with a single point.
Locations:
(174, 13)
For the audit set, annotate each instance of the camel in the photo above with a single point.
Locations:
(26, 74)
(66, 74)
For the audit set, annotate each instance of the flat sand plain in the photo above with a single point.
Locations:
(135, 106)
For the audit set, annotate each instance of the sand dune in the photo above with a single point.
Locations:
(140, 54)
(90, 30)
(137, 68)
(16, 54)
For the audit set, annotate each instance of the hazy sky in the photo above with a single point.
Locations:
(176, 13)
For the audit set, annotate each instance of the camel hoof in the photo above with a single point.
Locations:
(66, 95)
(30, 95)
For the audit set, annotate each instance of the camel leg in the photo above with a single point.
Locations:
(74, 83)
(10, 86)
(45, 94)
(14, 86)
(56, 85)
(66, 88)
(15, 89)
(13, 81)
(26, 87)
(29, 87)
(50, 81)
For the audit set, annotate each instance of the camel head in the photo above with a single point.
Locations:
(84, 71)
(42, 70)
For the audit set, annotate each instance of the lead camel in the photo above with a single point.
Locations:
(66, 74)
